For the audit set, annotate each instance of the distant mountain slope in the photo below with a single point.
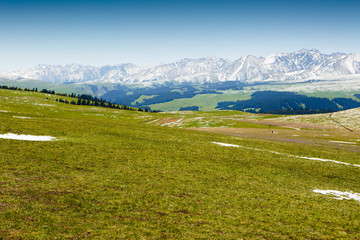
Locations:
(300, 65)
(289, 103)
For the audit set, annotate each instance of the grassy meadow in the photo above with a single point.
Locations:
(205, 102)
(114, 174)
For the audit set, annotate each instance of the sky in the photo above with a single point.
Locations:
(148, 33)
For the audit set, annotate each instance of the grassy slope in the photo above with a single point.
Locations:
(332, 94)
(142, 98)
(79, 88)
(111, 175)
(208, 102)
(205, 102)
(348, 118)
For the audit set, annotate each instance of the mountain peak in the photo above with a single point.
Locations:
(309, 51)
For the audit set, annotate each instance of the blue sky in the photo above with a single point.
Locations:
(154, 32)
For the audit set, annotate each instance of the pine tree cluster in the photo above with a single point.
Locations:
(82, 99)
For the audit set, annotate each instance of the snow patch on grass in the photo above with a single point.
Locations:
(226, 144)
(152, 121)
(288, 155)
(340, 195)
(298, 129)
(343, 142)
(21, 117)
(44, 104)
(322, 160)
(172, 124)
(26, 137)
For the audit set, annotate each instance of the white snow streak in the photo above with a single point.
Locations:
(45, 104)
(171, 124)
(288, 155)
(343, 142)
(21, 117)
(340, 195)
(26, 137)
(152, 121)
(226, 144)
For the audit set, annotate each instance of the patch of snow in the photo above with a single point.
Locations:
(342, 142)
(340, 195)
(44, 104)
(226, 144)
(322, 160)
(21, 117)
(288, 155)
(3, 111)
(152, 121)
(171, 124)
(295, 128)
(26, 137)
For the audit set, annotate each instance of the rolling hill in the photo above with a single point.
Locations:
(109, 173)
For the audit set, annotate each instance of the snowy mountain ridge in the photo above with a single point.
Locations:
(301, 65)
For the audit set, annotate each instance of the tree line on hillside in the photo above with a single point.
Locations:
(82, 99)
(157, 93)
(288, 103)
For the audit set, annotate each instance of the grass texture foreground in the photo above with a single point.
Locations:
(125, 174)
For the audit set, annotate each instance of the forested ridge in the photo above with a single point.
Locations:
(82, 99)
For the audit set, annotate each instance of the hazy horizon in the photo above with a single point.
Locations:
(149, 33)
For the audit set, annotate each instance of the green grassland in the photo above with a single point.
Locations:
(142, 98)
(332, 94)
(114, 174)
(79, 88)
(205, 102)
(209, 102)
(63, 88)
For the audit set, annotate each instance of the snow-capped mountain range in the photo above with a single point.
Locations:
(300, 65)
